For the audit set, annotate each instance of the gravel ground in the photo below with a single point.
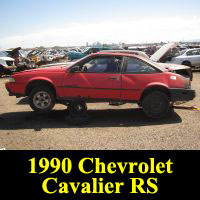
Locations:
(124, 127)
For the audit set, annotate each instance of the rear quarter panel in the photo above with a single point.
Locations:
(133, 85)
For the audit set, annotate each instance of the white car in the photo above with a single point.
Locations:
(190, 57)
(169, 53)
(7, 65)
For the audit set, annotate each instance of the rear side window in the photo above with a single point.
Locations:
(103, 65)
(193, 52)
(137, 66)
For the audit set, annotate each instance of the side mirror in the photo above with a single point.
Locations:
(74, 69)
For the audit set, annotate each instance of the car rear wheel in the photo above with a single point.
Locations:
(42, 99)
(156, 104)
(187, 63)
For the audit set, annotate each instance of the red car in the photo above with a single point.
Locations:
(116, 78)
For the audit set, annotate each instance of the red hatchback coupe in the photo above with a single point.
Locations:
(116, 78)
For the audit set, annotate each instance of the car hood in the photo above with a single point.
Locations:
(66, 64)
(170, 66)
(157, 56)
(7, 58)
(45, 70)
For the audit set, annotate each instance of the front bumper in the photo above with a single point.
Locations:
(182, 94)
(12, 93)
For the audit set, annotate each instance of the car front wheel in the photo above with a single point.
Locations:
(156, 104)
(42, 99)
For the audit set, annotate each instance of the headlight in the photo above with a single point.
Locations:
(11, 80)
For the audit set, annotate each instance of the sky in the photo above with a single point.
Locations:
(73, 23)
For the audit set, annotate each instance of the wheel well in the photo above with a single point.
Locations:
(186, 61)
(155, 88)
(39, 83)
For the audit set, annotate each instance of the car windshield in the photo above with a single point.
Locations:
(3, 54)
(194, 52)
(183, 51)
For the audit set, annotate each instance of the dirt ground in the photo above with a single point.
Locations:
(124, 127)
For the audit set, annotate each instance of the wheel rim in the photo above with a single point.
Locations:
(42, 100)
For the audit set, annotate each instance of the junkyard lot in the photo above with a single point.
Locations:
(124, 127)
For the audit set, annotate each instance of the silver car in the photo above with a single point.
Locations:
(190, 57)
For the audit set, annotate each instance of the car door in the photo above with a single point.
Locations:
(137, 75)
(196, 57)
(97, 78)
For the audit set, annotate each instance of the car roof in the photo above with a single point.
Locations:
(136, 52)
(114, 53)
(147, 60)
(119, 54)
(193, 49)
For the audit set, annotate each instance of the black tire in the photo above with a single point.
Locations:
(187, 63)
(77, 113)
(77, 108)
(49, 101)
(156, 104)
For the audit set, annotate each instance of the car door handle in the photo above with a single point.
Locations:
(114, 78)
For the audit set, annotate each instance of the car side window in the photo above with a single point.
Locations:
(138, 66)
(103, 65)
(193, 53)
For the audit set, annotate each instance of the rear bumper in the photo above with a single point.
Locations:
(182, 94)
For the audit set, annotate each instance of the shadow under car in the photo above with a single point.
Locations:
(99, 118)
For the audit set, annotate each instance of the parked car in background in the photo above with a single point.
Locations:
(116, 78)
(189, 57)
(48, 57)
(7, 64)
(74, 55)
(170, 53)
(21, 61)
(166, 54)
